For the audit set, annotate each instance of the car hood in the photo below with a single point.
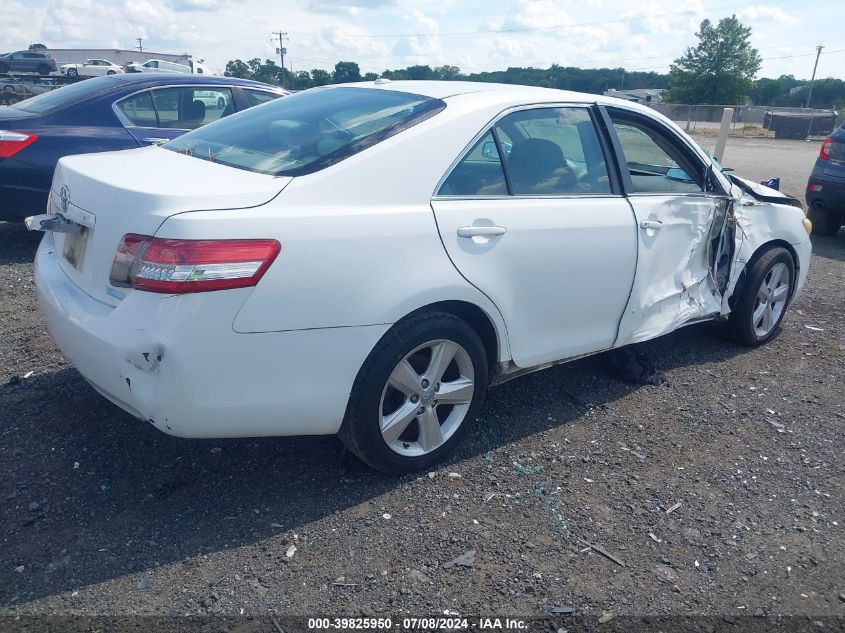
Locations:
(764, 193)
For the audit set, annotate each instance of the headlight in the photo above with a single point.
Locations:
(808, 225)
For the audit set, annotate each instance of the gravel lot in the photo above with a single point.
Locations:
(719, 492)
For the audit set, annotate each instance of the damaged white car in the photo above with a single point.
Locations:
(367, 259)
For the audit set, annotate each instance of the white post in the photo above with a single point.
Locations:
(727, 116)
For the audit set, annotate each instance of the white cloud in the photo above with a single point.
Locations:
(425, 43)
(764, 13)
(534, 14)
(325, 31)
(509, 50)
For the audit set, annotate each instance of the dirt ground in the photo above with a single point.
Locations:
(719, 492)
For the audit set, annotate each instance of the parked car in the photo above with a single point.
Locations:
(14, 88)
(157, 66)
(826, 186)
(91, 68)
(27, 62)
(211, 99)
(103, 114)
(367, 259)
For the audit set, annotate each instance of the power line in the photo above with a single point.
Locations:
(532, 29)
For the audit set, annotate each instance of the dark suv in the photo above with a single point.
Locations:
(27, 62)
(826, 187)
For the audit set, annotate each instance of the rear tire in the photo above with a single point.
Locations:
(765, 295)
(110, 72)
(825, 221)
(43, 69)
(394, 421)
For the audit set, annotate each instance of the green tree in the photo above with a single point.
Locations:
(320, 77)
(370, 77)
(720, 69)
(419, 72)
(237, 68)
(448, 73)
(345, 72)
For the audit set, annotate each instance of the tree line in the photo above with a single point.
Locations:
(720, 69)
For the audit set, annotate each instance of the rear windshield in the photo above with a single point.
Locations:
(66, 95)
(308, 131)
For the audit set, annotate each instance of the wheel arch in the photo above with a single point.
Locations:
(484, 325)
(757, 254)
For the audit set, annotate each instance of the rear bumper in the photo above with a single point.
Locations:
(175, 361)
(831, 196)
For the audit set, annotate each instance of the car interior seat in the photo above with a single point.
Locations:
(197, 114)
(533, 163)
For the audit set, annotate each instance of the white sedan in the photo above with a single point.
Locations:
(367, 259)
(91, 68)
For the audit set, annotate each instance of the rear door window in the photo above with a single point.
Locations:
(187, 108)
(257, 97)
(554, 151)
(139, 109)
(479, 173)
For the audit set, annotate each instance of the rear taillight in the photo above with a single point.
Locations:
(824, 152)
(178, 266)
(13, 142)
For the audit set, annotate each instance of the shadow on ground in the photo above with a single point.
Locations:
(832, 247)
(101, 494)
(17, 245)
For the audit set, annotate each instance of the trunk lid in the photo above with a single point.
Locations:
(134, 191)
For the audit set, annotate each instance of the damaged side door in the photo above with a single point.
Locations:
(685, 228)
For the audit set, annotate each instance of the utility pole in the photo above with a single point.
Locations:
(819, 49)
(281, 51)
(140, 41)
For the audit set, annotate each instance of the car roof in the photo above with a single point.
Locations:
(152, 79)
(505, 94)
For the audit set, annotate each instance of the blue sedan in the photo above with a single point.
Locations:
(105, 114)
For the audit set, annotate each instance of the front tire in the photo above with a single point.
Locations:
(416, 394)
(72, 72)
(825, 221)
(4, 68)
(764, 298)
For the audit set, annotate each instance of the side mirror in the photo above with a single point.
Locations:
(488, 150)
(676, 173)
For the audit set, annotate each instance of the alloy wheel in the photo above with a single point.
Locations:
(426, 398)
(771, 300)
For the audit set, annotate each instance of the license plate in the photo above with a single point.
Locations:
(74, 248)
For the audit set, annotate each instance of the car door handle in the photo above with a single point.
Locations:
(156, 141)
(651, 224)
(481, 231)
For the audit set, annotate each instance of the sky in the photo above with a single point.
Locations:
(472, 34)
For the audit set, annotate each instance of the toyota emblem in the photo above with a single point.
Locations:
(64, 196)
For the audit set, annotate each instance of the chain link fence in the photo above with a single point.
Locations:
(752, 120)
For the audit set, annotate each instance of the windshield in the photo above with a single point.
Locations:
(308, 131)
(67, 95)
